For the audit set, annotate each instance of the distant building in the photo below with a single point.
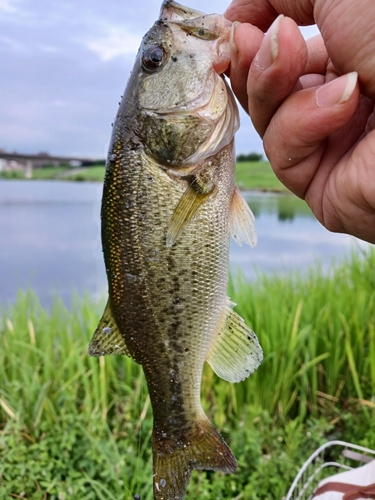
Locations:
(18, 161)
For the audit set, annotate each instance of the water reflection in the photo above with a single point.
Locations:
(289, 238)
(50, 239)
(287, 207)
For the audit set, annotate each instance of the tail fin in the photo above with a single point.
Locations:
(174, 460)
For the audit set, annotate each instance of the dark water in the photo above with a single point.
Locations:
(50, 239)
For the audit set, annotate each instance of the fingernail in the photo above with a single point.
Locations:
(232, 45)
(269, 48)
(337, 91)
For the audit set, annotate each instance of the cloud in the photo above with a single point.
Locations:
(55, 91)
(7, 6)
(13, 44)
(116, 42)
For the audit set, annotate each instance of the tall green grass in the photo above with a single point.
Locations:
(72, 426)
(56, 400)
(317, 333)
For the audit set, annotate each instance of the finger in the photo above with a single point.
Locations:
(348, 204)
(296, 138)
(279, 63)
(263, 12)
(349, 32)
(317, 65)
(257, 12)
(346, 26)
(317, 58)
(246, 42)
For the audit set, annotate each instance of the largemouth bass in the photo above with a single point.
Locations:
(169, 206)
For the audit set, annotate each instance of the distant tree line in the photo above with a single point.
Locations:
(250, 157)
(92, 163)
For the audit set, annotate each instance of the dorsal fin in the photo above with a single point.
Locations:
(241, 220)
(107, 338)
(236, 352)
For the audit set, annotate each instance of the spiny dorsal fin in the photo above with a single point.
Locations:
(194, 197)
(241, 220)
(236, 352)
(107, 338)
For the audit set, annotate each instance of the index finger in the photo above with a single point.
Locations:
(257, 12)
(245, 45)
(262, 13)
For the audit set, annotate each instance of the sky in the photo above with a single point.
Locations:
(64, 65)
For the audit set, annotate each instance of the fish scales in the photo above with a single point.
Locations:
(174, 292)
(169, 206)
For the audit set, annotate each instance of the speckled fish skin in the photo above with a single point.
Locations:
(172, 141)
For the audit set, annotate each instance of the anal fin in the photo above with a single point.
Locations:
(236, 352)
(107, 338)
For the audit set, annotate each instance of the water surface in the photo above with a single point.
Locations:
(50, 239)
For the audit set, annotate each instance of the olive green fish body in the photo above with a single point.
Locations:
(169, 206)
(174, 296)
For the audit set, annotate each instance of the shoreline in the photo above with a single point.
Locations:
(250, 176)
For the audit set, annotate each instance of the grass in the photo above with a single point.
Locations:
(50, 172)
(250, 175)
(258, 176)
(12, 174)
(95, 173)
(75, 427)
(318, 334)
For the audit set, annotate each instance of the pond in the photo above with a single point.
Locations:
(50, 239)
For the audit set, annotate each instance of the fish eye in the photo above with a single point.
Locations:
(153, 58)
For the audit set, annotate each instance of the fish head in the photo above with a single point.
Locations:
(186, 112)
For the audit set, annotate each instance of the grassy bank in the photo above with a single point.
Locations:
(74, 427)
(94, 173)
(258, 176)
(250, 175)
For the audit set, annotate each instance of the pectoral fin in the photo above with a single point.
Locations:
(236, 352)
(241, 220)
(107, 338)
(191, 201)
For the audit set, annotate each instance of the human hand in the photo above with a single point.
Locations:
(303, 97)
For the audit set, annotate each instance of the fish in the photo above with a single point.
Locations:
(169, 206)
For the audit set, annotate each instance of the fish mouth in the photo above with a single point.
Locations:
(194, 22)
(173, 11)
